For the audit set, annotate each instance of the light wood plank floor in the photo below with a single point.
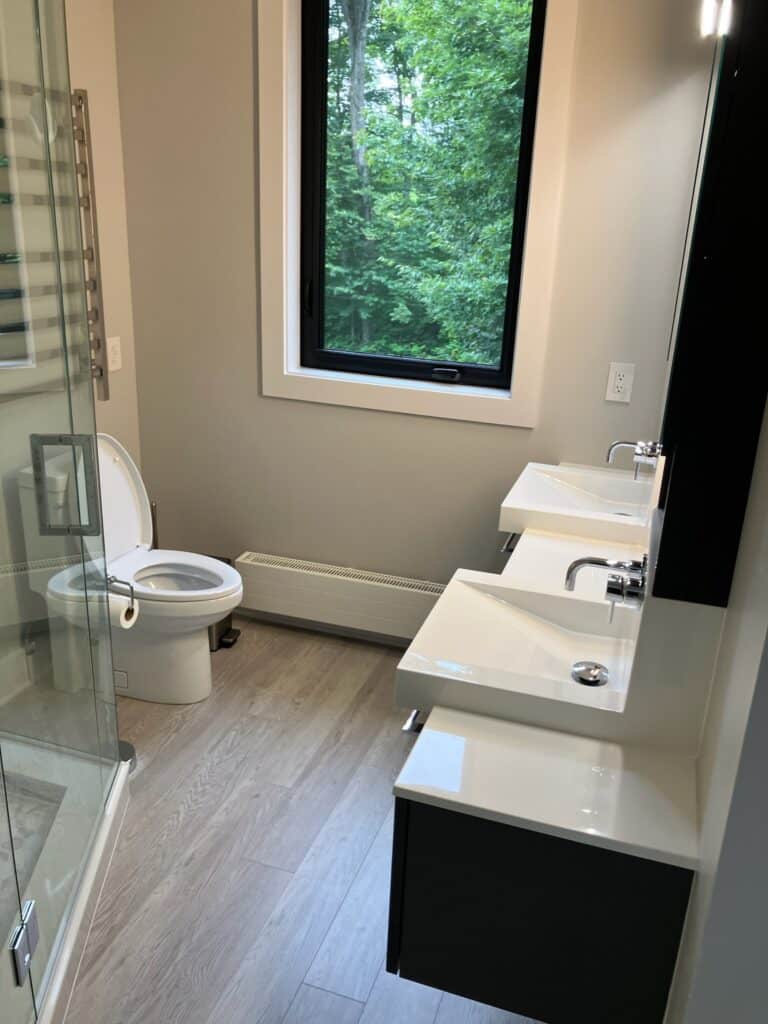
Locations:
(250, 881)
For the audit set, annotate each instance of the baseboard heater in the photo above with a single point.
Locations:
(335, 596)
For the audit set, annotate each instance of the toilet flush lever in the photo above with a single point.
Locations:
(131, 592)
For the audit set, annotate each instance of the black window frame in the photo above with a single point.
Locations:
(314, 94)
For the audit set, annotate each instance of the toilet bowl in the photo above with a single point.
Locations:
(165, 656)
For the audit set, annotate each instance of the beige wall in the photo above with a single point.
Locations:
(93, 66)
(402, 494)
(744, 638)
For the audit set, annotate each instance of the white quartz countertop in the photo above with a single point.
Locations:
(634, 800)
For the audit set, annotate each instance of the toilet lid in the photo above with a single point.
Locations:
(124, 500)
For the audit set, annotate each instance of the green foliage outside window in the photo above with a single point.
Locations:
(425, 101)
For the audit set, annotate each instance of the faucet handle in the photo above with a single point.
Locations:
(646, 454)
(626, 589)
(649, 449)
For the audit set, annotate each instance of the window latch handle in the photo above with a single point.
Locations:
(446, 374)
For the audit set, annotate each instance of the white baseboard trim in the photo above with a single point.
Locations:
(70, 953)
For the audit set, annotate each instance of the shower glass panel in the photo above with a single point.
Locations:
(17, 1002)
(58, 736)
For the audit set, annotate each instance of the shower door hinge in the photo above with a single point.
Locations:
(81, 125)
(24, 942)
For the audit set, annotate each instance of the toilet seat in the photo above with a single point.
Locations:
(173, 577)
(177, 576)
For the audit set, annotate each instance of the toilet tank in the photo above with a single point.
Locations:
(59, 496)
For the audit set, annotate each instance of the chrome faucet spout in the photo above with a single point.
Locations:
(615, 565)
(640, 449)
(616, 446)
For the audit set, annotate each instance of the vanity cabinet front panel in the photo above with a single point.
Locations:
(556, 930)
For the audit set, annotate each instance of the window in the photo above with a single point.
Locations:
(417, 136)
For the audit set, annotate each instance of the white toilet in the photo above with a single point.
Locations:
(165, 656)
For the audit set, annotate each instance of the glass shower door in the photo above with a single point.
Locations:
(58, 737)
(17, 1001)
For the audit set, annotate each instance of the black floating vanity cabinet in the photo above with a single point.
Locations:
(552, 928)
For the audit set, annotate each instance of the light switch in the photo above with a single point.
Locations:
(114, 355)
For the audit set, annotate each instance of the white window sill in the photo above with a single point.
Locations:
(389, 394)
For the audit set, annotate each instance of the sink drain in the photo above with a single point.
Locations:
(589, 673)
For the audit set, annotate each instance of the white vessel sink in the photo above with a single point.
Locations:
(488, 647)
(584, 500)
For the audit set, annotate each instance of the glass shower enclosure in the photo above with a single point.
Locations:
(58, 735)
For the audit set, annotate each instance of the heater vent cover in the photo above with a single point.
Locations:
(335, 595)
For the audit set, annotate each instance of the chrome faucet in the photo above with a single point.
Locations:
(626, 582)
(643, 451)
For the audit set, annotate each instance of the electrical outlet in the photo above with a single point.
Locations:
(114, 355)
(620, 379)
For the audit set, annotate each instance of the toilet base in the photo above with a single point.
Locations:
(166, 669)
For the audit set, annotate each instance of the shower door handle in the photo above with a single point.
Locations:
(83, 497)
